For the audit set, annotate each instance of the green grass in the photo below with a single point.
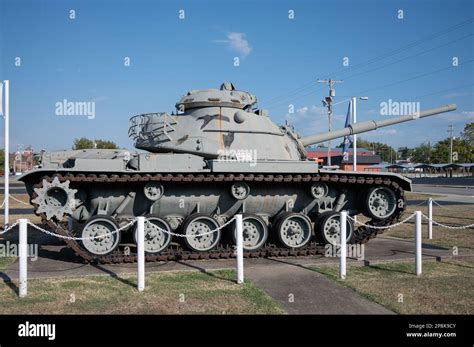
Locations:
(420, 196)
(443, 288)
(166, 293)
(5, 262)
(453, 214)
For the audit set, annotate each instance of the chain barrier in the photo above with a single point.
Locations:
(18, 200)
(438, 204)
(13, 198)
(82, 238)
(381, 227)
(421, 203)
(126, 226)
(183, 235)
(10, 227)
(455, 227)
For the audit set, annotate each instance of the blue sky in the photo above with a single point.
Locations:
(280, 60)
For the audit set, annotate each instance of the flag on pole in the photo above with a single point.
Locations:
(347, 139)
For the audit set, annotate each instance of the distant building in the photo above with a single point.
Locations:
(22, 161)
(365, 158)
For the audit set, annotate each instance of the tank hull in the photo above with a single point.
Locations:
(120, 195)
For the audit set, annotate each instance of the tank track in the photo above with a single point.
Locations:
(361, 234)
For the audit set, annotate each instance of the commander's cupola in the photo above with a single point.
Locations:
(225, 96)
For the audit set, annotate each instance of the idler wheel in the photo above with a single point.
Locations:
(380, 203)
(197, 229)
(293, 229)
(255, 232)
(328, 228)
(99, 240)
(157, 234)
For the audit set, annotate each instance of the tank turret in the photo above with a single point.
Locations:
(212, 122)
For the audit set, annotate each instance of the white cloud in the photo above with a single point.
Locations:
(303, 110)
(238, 43)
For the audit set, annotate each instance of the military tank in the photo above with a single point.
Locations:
(217, 156)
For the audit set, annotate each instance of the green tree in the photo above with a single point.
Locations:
(421, 154)
(2, 159)
(105, 144)
(404, 153)
(463, 148)
(468, 134)
(85, 143)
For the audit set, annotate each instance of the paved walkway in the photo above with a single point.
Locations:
(300, 290)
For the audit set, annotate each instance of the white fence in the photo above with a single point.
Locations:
(23, 247)
(344, 216)
(418, 233)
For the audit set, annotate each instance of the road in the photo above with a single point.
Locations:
(449, 190)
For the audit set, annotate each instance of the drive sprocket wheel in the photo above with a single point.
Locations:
(55, 199)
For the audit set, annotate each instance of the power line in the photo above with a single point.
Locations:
(451, 131)
(409, 57)
(411, 78)
(378, 68)
(444, 91)
(392, 63)
(412, 44)
(370, 61)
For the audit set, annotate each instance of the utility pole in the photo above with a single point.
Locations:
(451, 130)
(429, 152)
(327, 102)
(354, 137)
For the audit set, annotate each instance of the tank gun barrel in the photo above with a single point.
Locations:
(370, 125)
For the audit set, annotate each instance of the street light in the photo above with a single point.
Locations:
(354, 119)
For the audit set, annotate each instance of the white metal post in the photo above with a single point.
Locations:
(354, 137)
(23, 256)
(430, 216)
(6, 116)
(342, 259)
(240, 248)
(141, 253)
(418, 242)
